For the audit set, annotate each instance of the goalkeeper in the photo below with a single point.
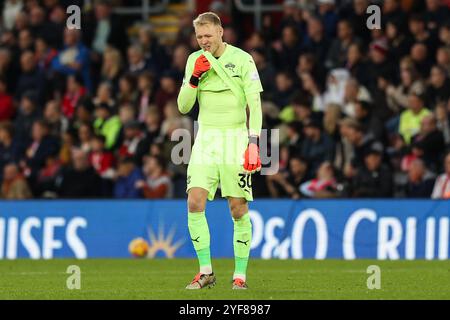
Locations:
(225, 80)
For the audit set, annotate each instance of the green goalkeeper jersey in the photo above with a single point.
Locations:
(224, 91)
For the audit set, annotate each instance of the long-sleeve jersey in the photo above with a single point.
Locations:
(224, 91)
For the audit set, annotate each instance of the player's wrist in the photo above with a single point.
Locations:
(253, 139)
(194, 81)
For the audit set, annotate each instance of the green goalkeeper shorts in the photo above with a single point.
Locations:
(217, 161)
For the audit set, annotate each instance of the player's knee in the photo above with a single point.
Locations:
(238, 210)
(195, 204)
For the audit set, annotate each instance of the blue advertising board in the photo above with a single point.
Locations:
(283, 229)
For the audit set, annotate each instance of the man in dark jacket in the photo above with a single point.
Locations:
(31, 78)
(80, 180)
(374, 180)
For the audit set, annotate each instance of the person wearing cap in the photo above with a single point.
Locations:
(380, 68)
(411, 118)
(374, 179)
(317, 147)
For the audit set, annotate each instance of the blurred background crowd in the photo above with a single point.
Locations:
(361, 113)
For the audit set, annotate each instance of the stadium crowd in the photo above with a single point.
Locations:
(360, 112)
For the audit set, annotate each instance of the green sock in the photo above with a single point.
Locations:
(242, 239)
(199, 231)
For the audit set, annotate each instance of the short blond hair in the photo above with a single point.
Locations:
(206, 18)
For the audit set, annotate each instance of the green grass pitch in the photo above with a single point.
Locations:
(267, 279)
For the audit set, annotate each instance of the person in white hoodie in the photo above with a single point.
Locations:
(10, 11)
(441, 188)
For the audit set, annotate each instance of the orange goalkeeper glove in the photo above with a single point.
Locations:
(201, 66)
(252, 160)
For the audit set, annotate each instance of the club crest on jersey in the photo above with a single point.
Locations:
(230, 66)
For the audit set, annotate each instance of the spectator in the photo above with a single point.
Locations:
(410, 119)
(366, 116)
(356, 65)
(316, 42)
(14, 185)
(107, 124)
(361, 141)
(57, 123)
(104, 96)
(431, 142)
(327, 12)
(317, 147)
(167, 92)
(103, 162)
(101, 159)
(439, 87)
(443, 121)
(151, 133)
(289, 48)
(133, 135)
(157, 183)
(74, 92)
(380, 70)
(128, 174)
(10, 11)
(392, 13)
(179, 59)
(85, 135)
(420, 55)
(83, 113)
(25, 41)
(136, 60)
(74, 58)
(6, 102)
(397, 96)
(42, 145)
(79, 180)
(46, 179)
(420, 180)
(111, 67)
(9, 151)
(353, 93)
(153, 53)
(436, 14)
(441, 189)
(443, 59)
(323, 186)
(374, 180)
(40, 27)
(127, 92)
(284, 90)
(26, 116)
(286, 183)
(171, 112)
(337, 55)
(44, 54)
(266, 72)
(31, 78)
(105, 29)
(145, 87)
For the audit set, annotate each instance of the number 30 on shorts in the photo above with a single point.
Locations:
(245, 180)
